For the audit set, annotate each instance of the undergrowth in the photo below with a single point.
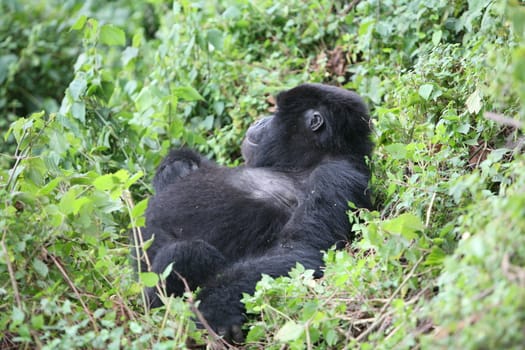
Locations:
(93, 94)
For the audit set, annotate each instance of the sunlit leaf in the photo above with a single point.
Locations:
(112, 35)
(290, 331)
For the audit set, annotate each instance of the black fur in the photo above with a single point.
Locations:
(224, 227)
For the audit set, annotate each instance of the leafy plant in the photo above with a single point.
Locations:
(440, 263)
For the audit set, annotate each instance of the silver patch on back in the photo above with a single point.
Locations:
(263, 184)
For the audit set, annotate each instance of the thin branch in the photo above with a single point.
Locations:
(382, 313)
(11, 271)
(63, 271)
(501, 119)
(200, 316)
(138, 243)
(349, 7)
(429, 210)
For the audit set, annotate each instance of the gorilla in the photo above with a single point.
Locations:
(222, 228)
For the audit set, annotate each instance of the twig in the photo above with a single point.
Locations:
(138, 244)
(429, 210)
(378, 320)
(501, 119)
(11, 270)
(72, 286)
(199, 315)
(349, 7)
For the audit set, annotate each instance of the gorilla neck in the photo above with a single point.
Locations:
(263, 184)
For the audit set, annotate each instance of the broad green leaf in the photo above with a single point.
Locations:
(79, 24)
(78, 110)
(129, 54)
(474, 102)
(37, 321)
(40, 267)
(396, 150)
(145, 99)
(406, 225)
(256, 333)
(133, 179)
(290, 332)
(49, 187)
(17, 316)
(215, 37)
(425, 91)
(167, 271)
(67, 201)
(5, 62)
(79, 203)
(78, 86)
(436, 37)
(150, 279)
(187, 93)
(140, 208)
(104, 182)
(436, 257)
(135, 327)
(108, 181)
(112, 35)
(365, 27)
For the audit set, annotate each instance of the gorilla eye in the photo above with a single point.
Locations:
(314, 119)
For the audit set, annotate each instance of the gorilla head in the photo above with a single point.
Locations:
(312, 122)
(221, 228)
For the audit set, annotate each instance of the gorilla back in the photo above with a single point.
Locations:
(222, 228)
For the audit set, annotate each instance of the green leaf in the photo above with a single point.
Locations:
(474, 102)
(109, 181)
(289, 332)
(405, 224)
(5, 62)
(150, 279)
(425, 91)
(256, 333)
(67, 201)
(187, 93)
(436, 257)
(40, 267)
(365, 27)
(167, 271)
(78, 110)
(133, 179)
(78, 86)
(17, 316)
(135, 327)
(140, 208)
(79, 24)
(397, 150)
(436, 37)
(37, 321)
(129, 54)
(112, 35)
(215, 37)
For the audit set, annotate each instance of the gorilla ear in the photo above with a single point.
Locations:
(314, 119)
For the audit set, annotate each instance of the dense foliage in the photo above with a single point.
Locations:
(97, 92)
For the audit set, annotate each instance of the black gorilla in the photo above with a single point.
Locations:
(224, 227)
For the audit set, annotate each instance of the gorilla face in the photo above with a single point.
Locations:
(268, 131)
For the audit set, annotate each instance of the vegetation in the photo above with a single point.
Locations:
(93, 94)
